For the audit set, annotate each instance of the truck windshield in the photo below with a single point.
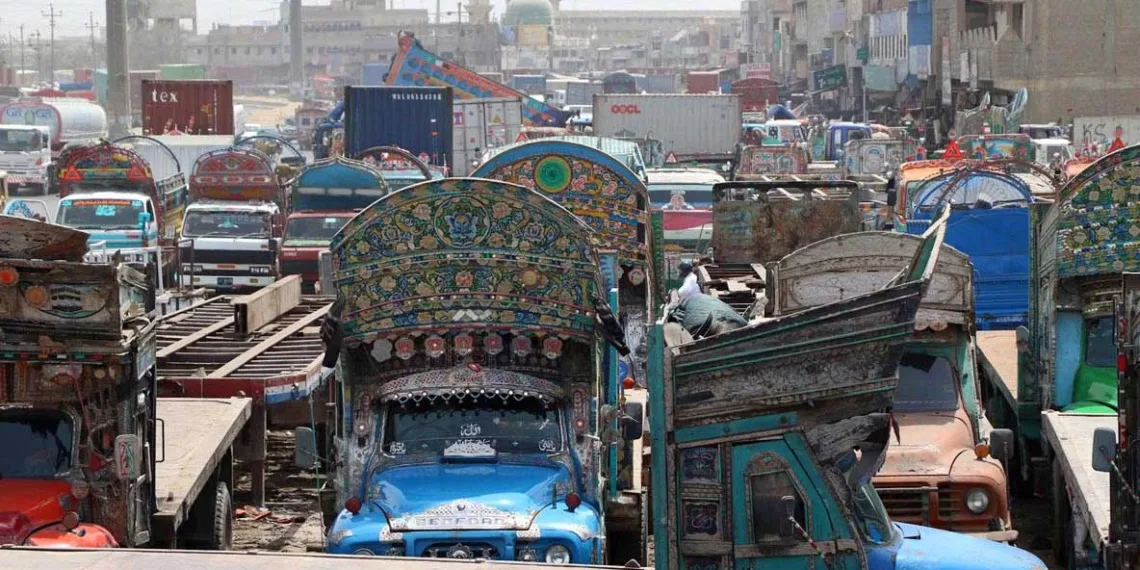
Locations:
(313, 231)
(37, 445)
(872, 515)
(508, 426)
(694, 194)
(225, 223)
(926, 384)
(21, 140)
(100, 213)
(1100, 346)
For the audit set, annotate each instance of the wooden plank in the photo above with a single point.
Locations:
(198, 434)
(1071, 437)
(251, 312)
(125, 559)
(268, 343)
(997, 353)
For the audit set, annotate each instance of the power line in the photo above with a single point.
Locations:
(91, 27)
(51, 16)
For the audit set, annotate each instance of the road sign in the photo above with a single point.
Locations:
(862, 54)
(834, 77)
(521, 137)
(670, 158)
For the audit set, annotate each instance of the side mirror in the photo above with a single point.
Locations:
(143, 220)
(305, 448)
(788, 521)
(1022, 335)
(1104, 449)
(1001, 448)
(632, 420)
(892, 197)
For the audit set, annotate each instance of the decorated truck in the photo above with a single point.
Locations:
(326, 195)
(947, 469)
(472, 343)
(110, 192)
(765, 440)
(86, 461)
(230, 235)
(1070, 372)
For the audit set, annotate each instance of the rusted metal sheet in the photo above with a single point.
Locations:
(761, 222)
(30, 239)
(851, 265)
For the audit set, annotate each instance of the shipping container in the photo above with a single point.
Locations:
(100, 84)
(665, 84)
(185, 148)
(689, 126)
(756, 93)
(203, 107)
(136, 80)
(83, 75)
(480, 125)
(417, 119)
(582, 92)
(372, 74)
(181, 71)
(702, 82)
(619, 82)
(530, 84)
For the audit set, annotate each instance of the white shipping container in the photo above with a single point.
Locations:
(479, 125)
(1102, 130)
(687, 125)
(187, 148)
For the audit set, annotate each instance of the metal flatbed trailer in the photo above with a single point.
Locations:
(265, 346)
(1071, 438)
(202, 433)
(997, 355)
(123, 559)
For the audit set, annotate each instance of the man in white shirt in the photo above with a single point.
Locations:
(689, 287)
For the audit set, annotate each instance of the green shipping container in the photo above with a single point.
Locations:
(101, 86)
(182, 71)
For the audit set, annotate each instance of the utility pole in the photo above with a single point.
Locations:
(296, 51)
(36, 47)
(118, 74)
(20, 80)
(91, 27)
(51, 16)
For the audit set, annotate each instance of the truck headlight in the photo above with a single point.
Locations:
(977, 500)
(558, 554)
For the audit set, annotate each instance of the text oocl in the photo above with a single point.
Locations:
(625, 110)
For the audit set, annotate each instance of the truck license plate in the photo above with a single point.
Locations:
(226, 281)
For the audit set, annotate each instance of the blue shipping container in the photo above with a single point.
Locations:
(372, 74)
(417, 119)
(530, 84)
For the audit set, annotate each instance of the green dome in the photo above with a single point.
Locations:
(528, 13)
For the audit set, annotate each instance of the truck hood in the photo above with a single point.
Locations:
(29, 504)
(928, 444)
(518, 491)
(925, 548)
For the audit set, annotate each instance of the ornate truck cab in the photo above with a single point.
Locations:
(940, 472)
(765, 439)
(76, 397)
(471, 398)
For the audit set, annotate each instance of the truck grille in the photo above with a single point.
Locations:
(461, 551)
(939, 507)
(262, 257)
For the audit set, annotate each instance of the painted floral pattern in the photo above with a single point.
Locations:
(1098, 229)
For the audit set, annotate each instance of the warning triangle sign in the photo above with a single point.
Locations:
(670, 158)
(953, 152)
(1117, 144)
(136, 173)
(521, 137)
(71, 174)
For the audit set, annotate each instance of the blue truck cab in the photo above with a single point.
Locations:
(766, 438)
(476, 412)
(839, 134)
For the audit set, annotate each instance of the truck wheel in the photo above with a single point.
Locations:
(222, 537)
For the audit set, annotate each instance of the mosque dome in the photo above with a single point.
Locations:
(528, 13)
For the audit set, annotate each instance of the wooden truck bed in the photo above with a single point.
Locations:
(123, 559)
(997, 355)
(1071, 437)
(198, 433)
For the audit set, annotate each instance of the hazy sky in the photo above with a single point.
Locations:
(75, 12)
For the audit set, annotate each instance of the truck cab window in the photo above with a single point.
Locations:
(1100, 344)
(529, 425)
(37, 444)
(926, 384)
(768, 509)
